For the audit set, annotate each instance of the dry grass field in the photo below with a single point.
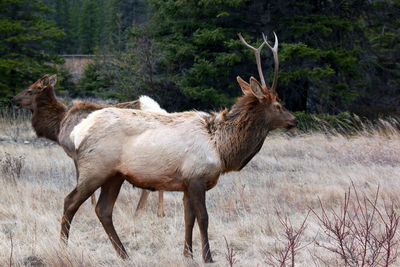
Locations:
(292, 174)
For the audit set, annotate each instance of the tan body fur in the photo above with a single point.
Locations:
(152, 150)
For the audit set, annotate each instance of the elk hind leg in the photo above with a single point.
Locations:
(72, 203)
(197, 198)
(93, 197)
(160, 210)
(104, 209)
(142, 202)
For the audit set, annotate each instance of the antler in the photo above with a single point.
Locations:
(258, 58)
(276, 61)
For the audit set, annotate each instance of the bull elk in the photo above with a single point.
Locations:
(185, 151)
(51, 119)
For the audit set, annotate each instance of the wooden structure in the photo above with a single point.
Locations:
(76, 64)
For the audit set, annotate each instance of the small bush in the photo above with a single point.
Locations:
(15, 123)
(11, 167)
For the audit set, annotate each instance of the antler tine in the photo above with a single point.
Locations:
(276, 60)
(258, 58)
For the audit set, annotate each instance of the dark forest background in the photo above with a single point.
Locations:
(335, 56)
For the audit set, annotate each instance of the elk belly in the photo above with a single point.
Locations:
(165, 183)
(148, 162)
(164, 157)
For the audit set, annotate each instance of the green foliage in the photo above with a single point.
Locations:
(89, 26)
(196, 39)
(321, 54)
(320, 49)
(26, 38)
(95, 82)
(335, 56)
(191, 47)
(130, 74)
(382, 26)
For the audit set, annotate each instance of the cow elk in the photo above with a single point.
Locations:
(185, 151)
(51, 119)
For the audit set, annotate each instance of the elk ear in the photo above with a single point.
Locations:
(53, 80)
(256, 88)
(44, 81)
(245, 86)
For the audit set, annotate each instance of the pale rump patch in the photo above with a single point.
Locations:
(148, 104)
(81, 129)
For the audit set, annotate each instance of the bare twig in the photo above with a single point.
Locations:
(229, 254)
(291, 244)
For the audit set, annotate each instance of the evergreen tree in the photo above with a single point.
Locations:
(26, 39)
(200, 47)
(112, 29)
(322, 44)
(335, 55)
(132, 12)
(321, 53)
(89, 27)
(62, 13)
(95, 81)
(382, 61)
(137, 71)
(73, 33)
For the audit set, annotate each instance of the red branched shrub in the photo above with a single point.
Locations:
(361, 233)
(285, 255)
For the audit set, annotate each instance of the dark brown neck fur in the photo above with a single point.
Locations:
(47, 115)
(240, 133)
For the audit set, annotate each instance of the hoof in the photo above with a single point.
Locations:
(210, 260)
(187, 254)
(138, 213)
(160, 213)
(123, 255)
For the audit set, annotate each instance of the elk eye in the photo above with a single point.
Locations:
(278, 107)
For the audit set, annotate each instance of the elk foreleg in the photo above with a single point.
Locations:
(197, 198)
(189, 223)
(104, 209)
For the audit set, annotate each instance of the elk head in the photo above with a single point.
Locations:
(277, 116)
(26, 98)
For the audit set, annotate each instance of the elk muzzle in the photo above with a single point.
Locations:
(15, 103)
(292, 123)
